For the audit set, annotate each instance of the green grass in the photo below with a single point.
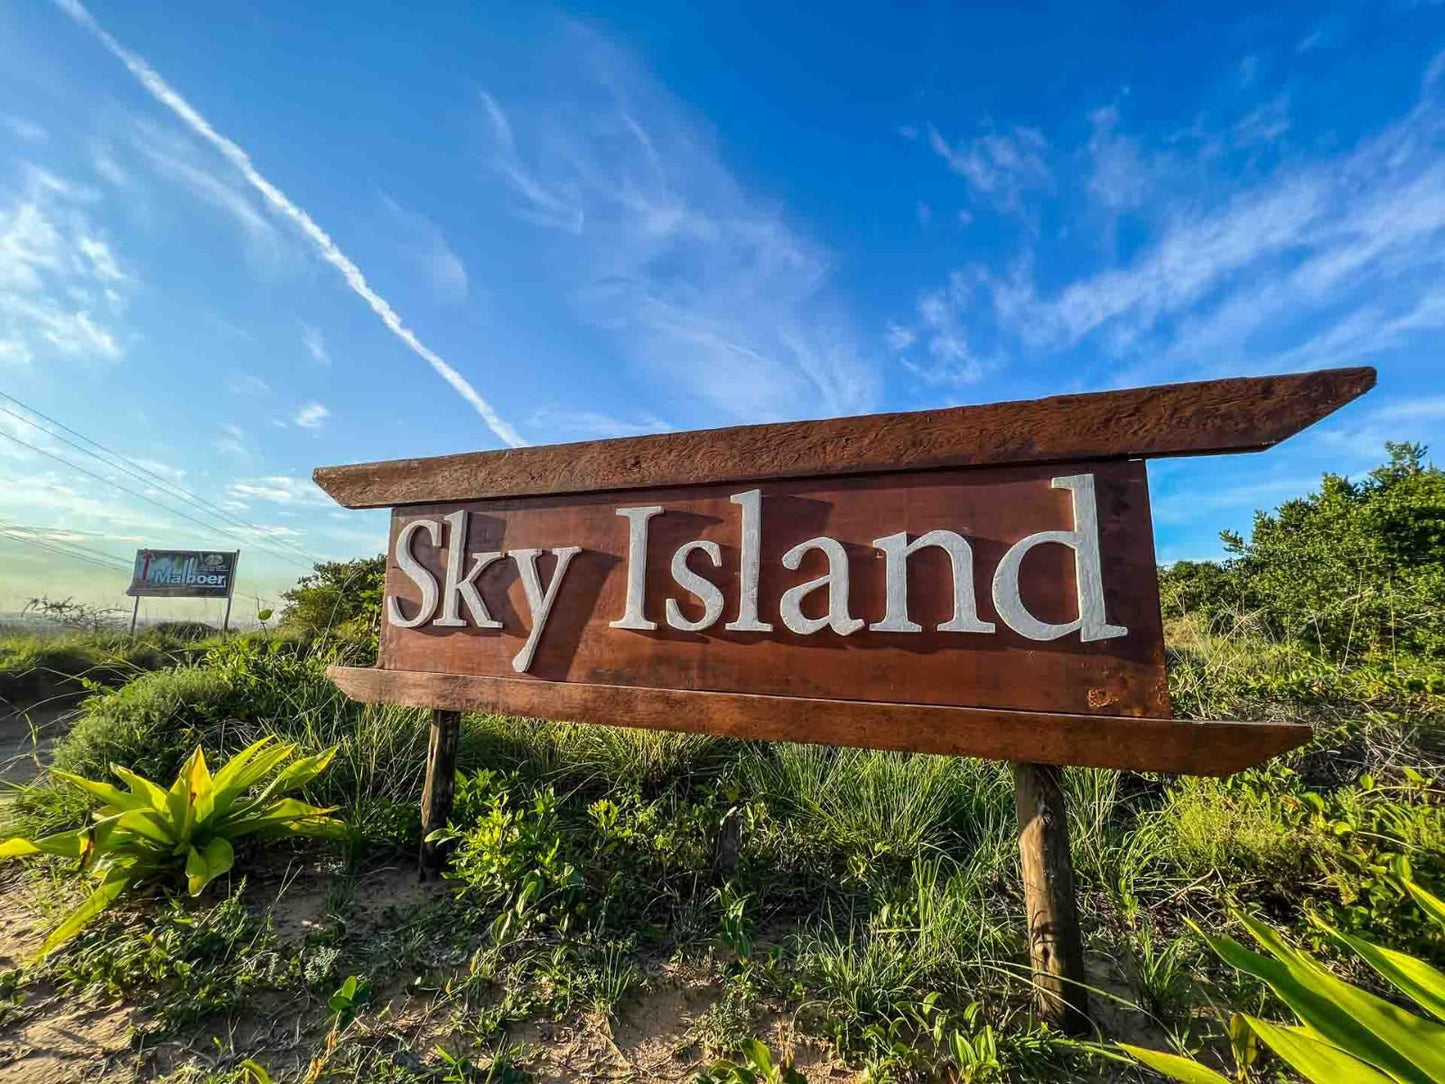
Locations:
(874, 898)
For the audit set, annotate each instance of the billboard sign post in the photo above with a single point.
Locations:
(976, 581)
(184, 574)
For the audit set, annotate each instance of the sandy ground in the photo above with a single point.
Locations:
(27, 733)
(56, 1039)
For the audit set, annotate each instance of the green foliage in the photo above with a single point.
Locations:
(1356, 569)
(878, 811)
(757, 1067)
(349, 997)
(727, 1023)
(33, 665)
(146, 832)
(339, 603)
(1345, 1031)
(181, 962)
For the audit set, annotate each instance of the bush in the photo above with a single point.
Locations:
(1354, 570)
(151, 723)
(339, 604)
(33, 666)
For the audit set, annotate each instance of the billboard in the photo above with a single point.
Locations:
(183, 574)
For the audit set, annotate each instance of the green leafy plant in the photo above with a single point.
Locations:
(757, 1067)
(145, 832)
(1345, 1033)
(350, 996)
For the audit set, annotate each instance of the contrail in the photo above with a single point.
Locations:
(163, 93)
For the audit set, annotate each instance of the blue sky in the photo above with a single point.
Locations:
(240, 241)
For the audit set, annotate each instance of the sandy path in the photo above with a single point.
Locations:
(29, 731)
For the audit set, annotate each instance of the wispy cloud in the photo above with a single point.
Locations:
(1310, 262)
(247, 384)
(24, 129)
(1119, 178)
(943, 357)
(592, 425)
(315, 344)
(280, 203)
(61, 284)
(1361, 436)
(428, 248)
(1000, 167)
(704, 285)
(279, 489)
(311, 416)
(233, 443)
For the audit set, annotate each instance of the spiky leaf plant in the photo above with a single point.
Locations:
(146, 832)
(1345, 1033)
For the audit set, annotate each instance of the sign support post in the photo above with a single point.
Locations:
(440, 787)
(134, 613)
(1056, 948)
(230, 594)
(975, 581)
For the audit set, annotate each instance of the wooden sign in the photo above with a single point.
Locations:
(881, 581)
(977, 581)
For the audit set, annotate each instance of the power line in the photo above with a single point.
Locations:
(73, 555)
(141, 496)
(137, 471)
(45, 535)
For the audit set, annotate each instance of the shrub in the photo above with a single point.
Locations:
(339, 603)
(181, 962)
(1355, 569)
(148, 724)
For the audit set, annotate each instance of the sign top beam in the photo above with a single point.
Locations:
(1244, 414)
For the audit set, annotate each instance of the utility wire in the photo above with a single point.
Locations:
(74, 556)
(149, 500)
(46, 535)
(139, 472)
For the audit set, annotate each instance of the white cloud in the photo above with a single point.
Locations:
(593, 425)
(178, 160)
(1264, 124)
(311, 416)
(247, 384)
(24, 129)
(946, 358)
(1000, 167)
(279, 489)
(704, 286)
(61, 285)
(1318, 262)
(315, 344)
(277, 200)
(427, 246)
(232, 442)
(1119, 178)
(1361, 435)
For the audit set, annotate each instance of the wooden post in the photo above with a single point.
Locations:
(134, 613)
(1056, 951)
(441, 779)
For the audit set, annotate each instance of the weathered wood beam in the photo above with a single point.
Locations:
(1237, 415)
(1098, 741)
